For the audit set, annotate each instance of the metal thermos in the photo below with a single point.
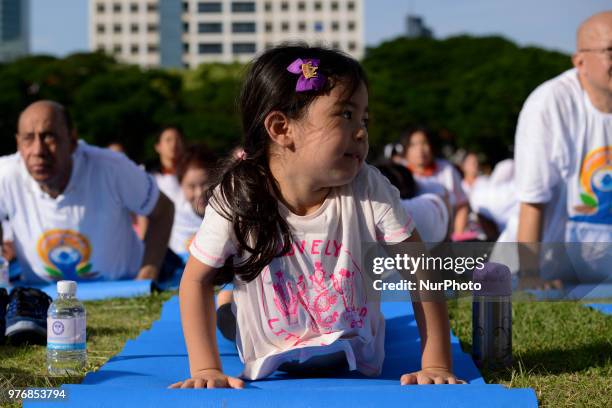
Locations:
(492, 317)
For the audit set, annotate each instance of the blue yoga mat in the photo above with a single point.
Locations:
(601, 307)
(102, 289)
(141, 373)
(575, 292)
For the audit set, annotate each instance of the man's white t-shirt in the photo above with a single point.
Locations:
(313, 301)
(447, 176)
(564, 158)
(186, 224)
(430, 216)
(86, 232)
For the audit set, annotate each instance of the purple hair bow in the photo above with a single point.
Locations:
(310, 79)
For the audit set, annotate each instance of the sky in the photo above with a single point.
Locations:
(59, 27)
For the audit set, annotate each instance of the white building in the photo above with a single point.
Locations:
(175, 33)
(14, 29)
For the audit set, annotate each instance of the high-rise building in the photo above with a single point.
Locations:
(14, 29)
(416, 28)
(175, 33)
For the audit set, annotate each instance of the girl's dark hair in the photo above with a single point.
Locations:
(246, 193)
(400, 177)
(197, 156)
(429, 135)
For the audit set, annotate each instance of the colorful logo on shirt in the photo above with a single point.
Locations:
(65, 254)
(596, 187)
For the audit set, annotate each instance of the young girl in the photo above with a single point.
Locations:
(286, 223)
(194, 173)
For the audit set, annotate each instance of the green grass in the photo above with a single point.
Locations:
(110, 324)
(561, 349)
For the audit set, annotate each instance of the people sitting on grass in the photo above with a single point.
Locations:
(418, 151)
(287, 218)
(170, 145)
(69, 203)
(194, 172)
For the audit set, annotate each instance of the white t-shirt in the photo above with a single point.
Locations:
(169, 185)
(446, 175)
(564, 158)
(186, 225)
(86, 232)
(313, 301)
(430, 216)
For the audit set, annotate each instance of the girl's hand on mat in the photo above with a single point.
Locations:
(430, 376)
(210, 378)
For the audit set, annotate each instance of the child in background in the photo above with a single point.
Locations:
(194, 173)
(286, 223)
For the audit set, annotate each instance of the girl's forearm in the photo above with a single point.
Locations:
(198, 318)
(434, 328)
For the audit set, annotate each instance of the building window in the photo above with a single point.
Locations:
(101, 48)
(318, 6)
(284, 6)
(185, 7)
(207, 28)
(269, 27)
(335, 26)
(285, 26)
(134, 49)
(151, 7)
(116, 8)
(243, 48)
(185, 27)
(302, 26)
(100, 28)
(243, 27)
(152, 48)
(117, 48)
(210, 48)
(301, 6)
(186, 47)
(117, 28)
(100, 7)
(351, 26)
(334, 6)
(318, 27)
(151, 28)
(350, 5)
(215, 7)
(269, 46)
(134, 7)
(336, 45)
(243, 7)
(268, 6)
(352, 46)
(134, 28)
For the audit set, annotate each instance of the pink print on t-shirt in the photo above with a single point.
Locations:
(325, 299)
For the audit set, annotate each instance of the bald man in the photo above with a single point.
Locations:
(564, 165)
(69, 205)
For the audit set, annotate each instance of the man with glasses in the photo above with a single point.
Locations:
(564, 165)
(69, 205)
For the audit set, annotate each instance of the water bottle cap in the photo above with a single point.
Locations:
(66, 287)
(495, 280)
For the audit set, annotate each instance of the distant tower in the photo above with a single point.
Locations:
(14, 29)
(416, 28)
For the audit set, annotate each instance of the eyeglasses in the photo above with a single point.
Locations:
(606, 51)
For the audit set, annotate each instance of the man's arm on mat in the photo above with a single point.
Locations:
(434, 329)
(198, 317)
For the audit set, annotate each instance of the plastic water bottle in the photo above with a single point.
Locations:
(66, 351)
(492, 317)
